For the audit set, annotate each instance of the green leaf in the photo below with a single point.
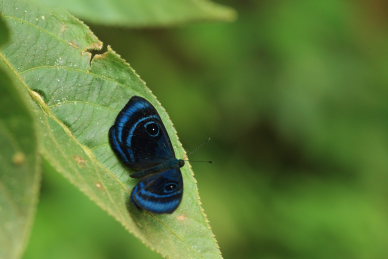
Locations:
(145, 12)
(4, 34)
(19, 168)
(77, 100)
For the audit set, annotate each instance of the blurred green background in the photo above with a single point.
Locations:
(294, 96)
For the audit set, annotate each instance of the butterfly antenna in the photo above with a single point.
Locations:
(199, 161)
(198, 147)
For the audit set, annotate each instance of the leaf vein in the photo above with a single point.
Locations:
(87, 72)
(23, 21)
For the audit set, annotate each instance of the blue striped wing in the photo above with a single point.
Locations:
(161, 193)
(130, 136)
(140, 140)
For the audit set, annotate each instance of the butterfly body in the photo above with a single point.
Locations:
(140, 140)
(163, 166)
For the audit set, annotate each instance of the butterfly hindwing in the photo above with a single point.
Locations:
(161, 193)
(140, 140)
(139, 137)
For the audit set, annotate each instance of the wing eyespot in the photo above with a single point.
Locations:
(169, 187)
(152, 128)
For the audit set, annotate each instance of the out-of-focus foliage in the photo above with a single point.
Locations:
(19, 162)
(294, 97)
(138, 13)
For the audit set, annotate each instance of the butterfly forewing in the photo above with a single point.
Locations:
(139, 137)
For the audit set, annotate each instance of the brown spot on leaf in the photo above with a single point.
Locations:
(181, 217)
(99, 186)
(18, 158)
(80, 161)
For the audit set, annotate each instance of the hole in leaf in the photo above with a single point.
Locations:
(94, 52)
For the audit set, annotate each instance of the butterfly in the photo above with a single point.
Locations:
(140, 140)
